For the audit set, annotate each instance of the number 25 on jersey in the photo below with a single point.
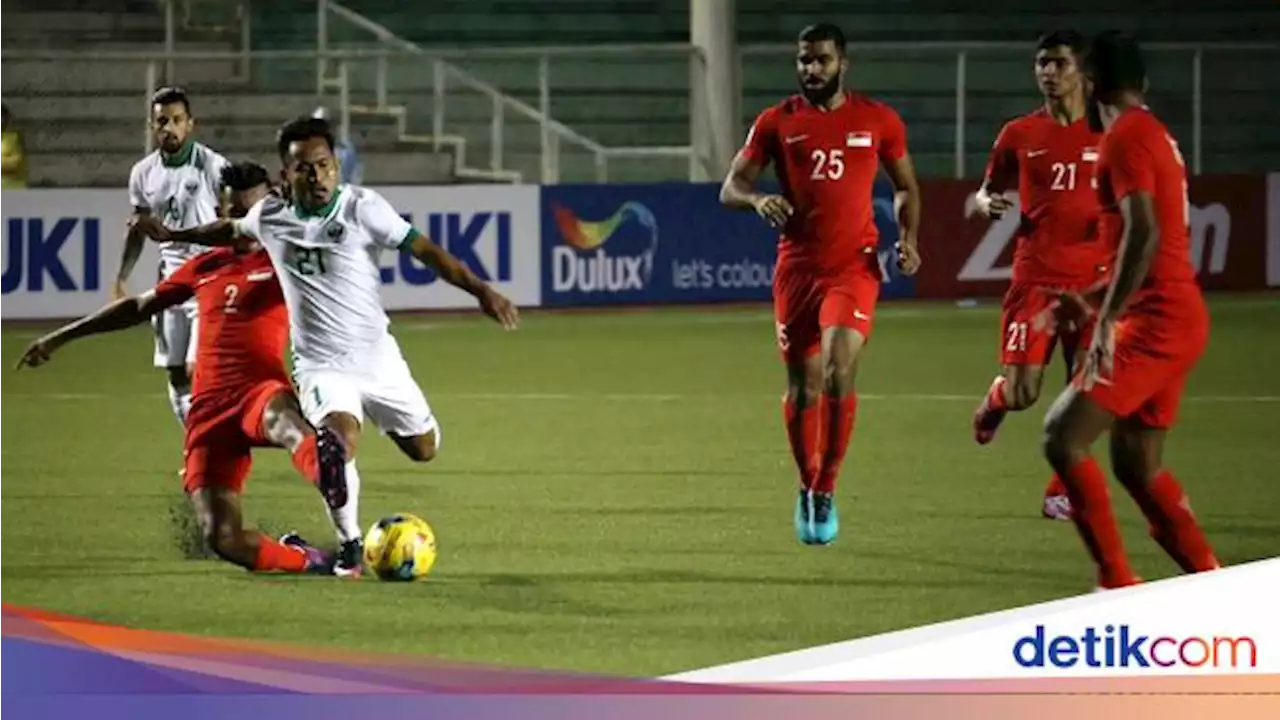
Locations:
(827, 164)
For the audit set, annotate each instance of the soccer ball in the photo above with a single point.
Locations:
(400, 547)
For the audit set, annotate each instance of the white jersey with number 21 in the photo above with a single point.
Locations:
(327, 263)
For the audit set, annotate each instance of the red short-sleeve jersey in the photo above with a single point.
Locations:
(826, 162)
(1053, 167)
(1139, 155)
(243, 324)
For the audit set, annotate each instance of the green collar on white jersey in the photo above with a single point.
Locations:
(180, 158)
(322, 211)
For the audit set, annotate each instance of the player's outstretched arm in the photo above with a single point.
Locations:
(133, 241)
(452, 271)
(219, 233)
(118, 315)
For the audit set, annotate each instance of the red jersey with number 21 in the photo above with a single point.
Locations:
(1053, 166)
(826, 162)
(243, 323)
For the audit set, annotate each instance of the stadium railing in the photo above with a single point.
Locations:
(505, 107)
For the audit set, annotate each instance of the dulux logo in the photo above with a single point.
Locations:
(33, 251)
(459, 233)
(582, 264)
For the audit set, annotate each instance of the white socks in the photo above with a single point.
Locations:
(346, 519)
(180, 401)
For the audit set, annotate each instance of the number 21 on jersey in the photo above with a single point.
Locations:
(309, 261)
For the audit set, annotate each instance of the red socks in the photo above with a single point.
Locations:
(804, 432)
(840, 413)
(273, 555)
(1172, 523)
(1094, 520)
(307, 459)
(817, 446)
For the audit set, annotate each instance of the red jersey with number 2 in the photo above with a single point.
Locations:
(243, 323)
(826, 162)
(1057, 241)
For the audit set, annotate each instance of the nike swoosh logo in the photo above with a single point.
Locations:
(257, 276)
(858, 314)
(795, 139)
(203, 280)
(1036, 153)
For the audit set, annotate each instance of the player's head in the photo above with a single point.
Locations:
(1058, 56)
(821, 62)
(244, 184)
(171, 120)
(1114, 70)
(309, 166)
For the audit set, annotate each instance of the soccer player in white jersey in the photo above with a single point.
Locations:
(178, 184)
(325, 243)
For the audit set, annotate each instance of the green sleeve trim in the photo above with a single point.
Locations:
(409, 237)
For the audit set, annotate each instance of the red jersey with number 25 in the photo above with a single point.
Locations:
(1139, 155)
(243, 324)
(826, 162)
(1054, 167)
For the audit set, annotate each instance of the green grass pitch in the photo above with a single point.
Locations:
(614, 492)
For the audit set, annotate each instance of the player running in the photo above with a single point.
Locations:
(1151, 328)
(179, 183)
(827, 145)
(1050, 157)
(241, 395)
(325, 248)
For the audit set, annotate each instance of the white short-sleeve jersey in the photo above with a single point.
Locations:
(182, 190)
(327, 263)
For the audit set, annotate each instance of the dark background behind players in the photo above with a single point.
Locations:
(616, 100)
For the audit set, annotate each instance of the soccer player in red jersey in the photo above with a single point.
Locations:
(1050, 157)
(827, 146)
(1150, 328)
(241, 394)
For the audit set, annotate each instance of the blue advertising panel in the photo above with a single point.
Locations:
(667, 243)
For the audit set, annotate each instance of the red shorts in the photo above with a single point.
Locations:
(1020, 342)
(221, 432)
(1158, 342)
(804, 303)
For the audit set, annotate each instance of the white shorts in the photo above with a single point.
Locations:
(175, 331)
(379, 386)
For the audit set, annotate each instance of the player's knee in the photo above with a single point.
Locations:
(422, 448)
(347, 427)
(1060, 447)
(837, 375)
(1026, 391)
(804, 393)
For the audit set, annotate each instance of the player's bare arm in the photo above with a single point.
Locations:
(219, 233)
(494, 304)
(739, 192)
(1137, 245)
(133, 242)
(903, 174)
(119, 315)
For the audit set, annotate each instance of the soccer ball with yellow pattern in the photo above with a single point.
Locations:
(400, 547)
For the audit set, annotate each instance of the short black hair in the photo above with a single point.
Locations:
(1058, 38)
(303, 128)
(171, 95)
(1114, 61)
(820, 32)
(244, 176)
